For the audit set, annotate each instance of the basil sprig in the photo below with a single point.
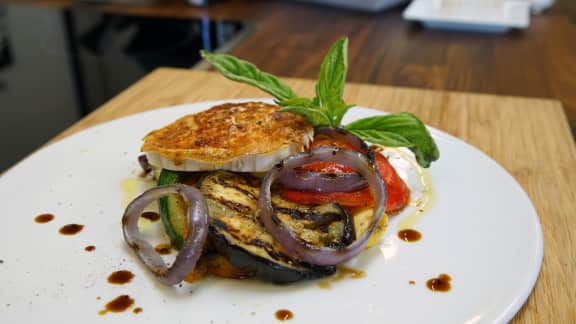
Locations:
(398, 130)
(331, 81)
(246, 72)
(328, 108)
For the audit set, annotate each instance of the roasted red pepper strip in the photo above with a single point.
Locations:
(397, 191)
(326, 141)
(359, 198)
(326, 167)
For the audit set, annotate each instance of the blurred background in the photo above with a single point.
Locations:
(61, 59)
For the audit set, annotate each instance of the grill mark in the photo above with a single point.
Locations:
(226, 184)
(334, 245)
(349, 234)
(317, 218)
(242, 210)
(275, 219)
(259, 243)
(324, 228)
(245, 192)
(279, 256)
(267, 249)
(221, 225)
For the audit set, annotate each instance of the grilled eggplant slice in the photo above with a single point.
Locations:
(236, 232)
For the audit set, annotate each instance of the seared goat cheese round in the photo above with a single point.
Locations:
(241, 137)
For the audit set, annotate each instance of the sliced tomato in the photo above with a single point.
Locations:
(397, 190)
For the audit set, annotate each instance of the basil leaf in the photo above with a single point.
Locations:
(298, 101)
(338, 110)
(331, 80)
(404, 125)
(243, 71)
(314, 115)
(390, 139)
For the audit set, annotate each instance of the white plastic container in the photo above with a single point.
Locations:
(365, 5)
(471, 15)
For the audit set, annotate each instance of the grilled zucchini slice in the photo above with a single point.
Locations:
(172, 209)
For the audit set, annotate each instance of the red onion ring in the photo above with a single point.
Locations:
(340, 134)
(327, 182)
(193, 245)
(321, 182)
(296, 247)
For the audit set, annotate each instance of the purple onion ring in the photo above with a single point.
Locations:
(322, 182)
(340, 134)
(193, 245)
(296, 247)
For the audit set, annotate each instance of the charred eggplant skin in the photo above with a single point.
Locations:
(262, 268)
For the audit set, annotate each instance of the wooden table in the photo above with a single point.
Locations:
(289, 39)
(529, 137)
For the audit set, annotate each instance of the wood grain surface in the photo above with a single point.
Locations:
(289, 39)
(528, 137)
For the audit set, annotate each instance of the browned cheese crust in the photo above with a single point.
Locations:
(227, 132)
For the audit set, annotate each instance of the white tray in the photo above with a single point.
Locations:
(363, 5)
(482, 15)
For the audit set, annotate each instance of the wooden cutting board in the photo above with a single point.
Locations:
(528, 137)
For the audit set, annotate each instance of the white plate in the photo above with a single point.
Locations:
(483, 15)
(482, 231)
